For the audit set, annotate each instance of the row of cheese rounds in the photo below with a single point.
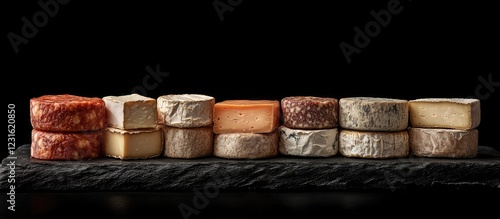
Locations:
(191, 126)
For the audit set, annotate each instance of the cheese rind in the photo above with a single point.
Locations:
(246, 145)
(131, 111)
(67, 113)
(448, 143)
(133, 144)
(188, 142)
(185, 110)
(455, 113)
(66, 145)
(308, 143)
(373, 114)
(246, 116)
(309, 112)
(378, 145)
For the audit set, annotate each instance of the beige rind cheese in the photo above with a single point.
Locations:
(133, 144)
(373, 114)
(455, 113)
(185, 110)
(188, 142)
(448, 143)
(246, 145)
(308, 143)
(378, 145)
(131, 111)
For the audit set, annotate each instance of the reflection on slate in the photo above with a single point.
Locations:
(283, 173)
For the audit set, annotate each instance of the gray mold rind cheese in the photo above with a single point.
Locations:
(185, 110)
(308, 143)
(378, 145)
(309, 112)
(246, 145)
(373, 114)
(447, 143)
(454, 113)
(188, 142)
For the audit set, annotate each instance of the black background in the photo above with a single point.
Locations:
(260, 50)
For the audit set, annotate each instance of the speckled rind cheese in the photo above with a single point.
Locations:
(309, 112)
(131, 111)
(246, 145)
(185, 110)
(308, 143)
(246, 116)
(373, 114)
(66, 145)
(67, 113)
(447, 143)
(132, 144)
(377, 145)
(188, 142)
(455, 113)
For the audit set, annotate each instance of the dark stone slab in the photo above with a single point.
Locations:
(282, 173)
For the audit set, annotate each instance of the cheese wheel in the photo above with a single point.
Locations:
(378, 145)
(128, 144)
(373, 114)
(309, 112)
(66, 145)
(308, 143)
(246, 145)
(67, 113)
(455, 113)
(448, 143)
(246, 116)
(131, 111)
(188, 142)
(185, 110)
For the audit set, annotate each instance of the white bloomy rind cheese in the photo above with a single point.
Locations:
(448, 143)
(185, 110)
(380, 145)
(131, 111)
(308, 143)
(188, 142)
(455, 113)
(373, 114)
(246, 145)
(133, 144)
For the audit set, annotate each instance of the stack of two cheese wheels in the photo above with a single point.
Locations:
(444, 127)
(132, 132)
(373, 127)
(187, 121)
(67, 127)
(309, 127)
(246, 129)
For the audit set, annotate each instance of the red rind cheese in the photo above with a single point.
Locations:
(67, 113)
(309, 112)
(66, 145)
